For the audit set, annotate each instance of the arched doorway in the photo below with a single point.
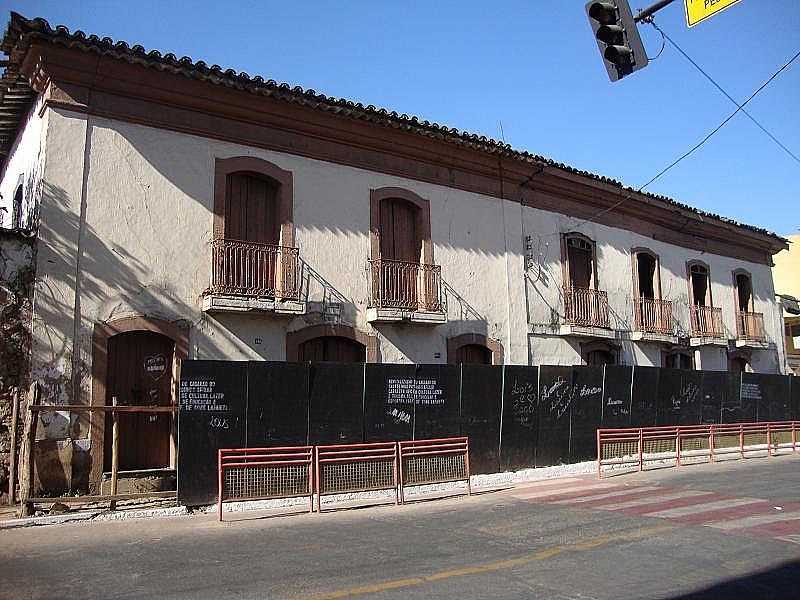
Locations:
(473, 354)
(475, 349)
(172, 341)
(140, 373)
(331, 342)
(332, 349)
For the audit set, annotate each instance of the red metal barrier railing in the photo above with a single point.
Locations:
(432, 461)
(349, 468)
(265, 473)
(638, 446)
(297, 471)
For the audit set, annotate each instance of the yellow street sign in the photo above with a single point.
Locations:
(700, 10)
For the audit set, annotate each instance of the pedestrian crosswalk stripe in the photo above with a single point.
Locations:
(626, 492)
(683, 511)
(654, 499)
(755, 520)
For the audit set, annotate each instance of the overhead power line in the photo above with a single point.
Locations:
(780, 144)
(739, 108)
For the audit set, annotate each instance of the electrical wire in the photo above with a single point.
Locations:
(664, 36)
(739, 108)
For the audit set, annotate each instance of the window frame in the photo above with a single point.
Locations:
(565, 264)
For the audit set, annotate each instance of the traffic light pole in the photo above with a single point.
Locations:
(642, 15)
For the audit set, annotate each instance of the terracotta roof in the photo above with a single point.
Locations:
(22, 30)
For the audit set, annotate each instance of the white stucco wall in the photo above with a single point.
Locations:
(146, 230)
(24, 167)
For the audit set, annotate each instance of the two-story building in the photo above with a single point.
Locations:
(188, 211)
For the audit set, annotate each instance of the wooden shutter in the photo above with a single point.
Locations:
(251, 209)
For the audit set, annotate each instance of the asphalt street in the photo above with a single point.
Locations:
(719, 531)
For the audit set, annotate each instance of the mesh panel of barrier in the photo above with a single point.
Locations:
(659, 446)
(434, 469)
(336, 478)
(613, 450)
(266, 482)
(694, 443)
(755, 439)
(722, 441)
(781, 437)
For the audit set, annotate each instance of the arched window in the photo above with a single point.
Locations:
(647, 278)
(580, 261)
(699, 284)
(401, 252)
(253, 253)
(16, 209)
(744, 291)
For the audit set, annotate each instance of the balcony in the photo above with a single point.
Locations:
(653, 320)
(586, 313)
(707, 326)
(253, 277)
(750, 330)
(405, 291)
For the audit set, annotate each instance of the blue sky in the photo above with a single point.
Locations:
(532, 65)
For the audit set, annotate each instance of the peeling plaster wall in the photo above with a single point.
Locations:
(145, 249)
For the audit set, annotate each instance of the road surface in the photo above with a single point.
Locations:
(713, 531)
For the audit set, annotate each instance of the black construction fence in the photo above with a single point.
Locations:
(515, 416)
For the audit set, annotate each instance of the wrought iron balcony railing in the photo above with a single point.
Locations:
(586, 307)
(405, 285)
(256, 270)
(706, 321)
(653, 316)
(750, 327)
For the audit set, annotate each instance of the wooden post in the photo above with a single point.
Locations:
(27, 454)
(114, 452)
(12, 459)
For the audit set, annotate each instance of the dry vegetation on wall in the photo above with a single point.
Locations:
(17, 274)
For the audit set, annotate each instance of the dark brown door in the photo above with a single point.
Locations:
(140, 374)
(399, 242)
(474, 354)
(333, 349)
(251, 217)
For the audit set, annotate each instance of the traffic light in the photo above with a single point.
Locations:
(617, 37)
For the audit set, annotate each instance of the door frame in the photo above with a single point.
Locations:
(103, 331)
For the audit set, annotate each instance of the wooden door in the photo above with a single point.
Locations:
(399, 242)
(333, 349)
(580, 267)
(140, 374)
(251, 216)
(474, 354)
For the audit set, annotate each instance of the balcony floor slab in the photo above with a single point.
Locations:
(707, 341)
(584, 331)
(751, 344)
(219, 303)
(647, 336)
(398, 315)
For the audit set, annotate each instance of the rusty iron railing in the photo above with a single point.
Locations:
(405, 285)
(653, 316)
(750, 327)
(252, 269)
(586, 307)
(706, 321)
